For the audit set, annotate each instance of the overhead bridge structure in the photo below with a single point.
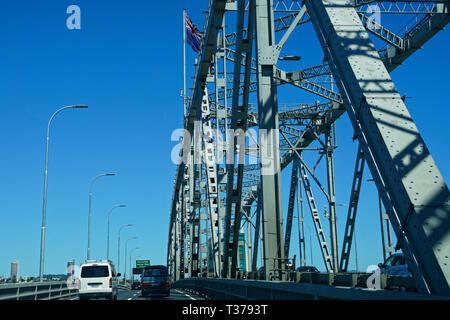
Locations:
(238, 138)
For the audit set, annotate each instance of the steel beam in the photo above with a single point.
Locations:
(329, 148)
(301, 225)
(316, 219)
(415, 195)
(392, 57)
(352, 209)
(382, 32)
(401, 6)
(238, 128)
(416, 38)
(291, 203)
(212, 190)
(267, 57)
(386, 241)
(257, 230)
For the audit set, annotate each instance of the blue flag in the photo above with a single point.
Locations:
(193, 36)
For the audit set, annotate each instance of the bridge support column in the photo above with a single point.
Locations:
(267, 57)
(329, 148)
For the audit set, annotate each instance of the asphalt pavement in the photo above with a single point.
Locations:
(175, 294)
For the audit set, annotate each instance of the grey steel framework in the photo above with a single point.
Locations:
(235, 144)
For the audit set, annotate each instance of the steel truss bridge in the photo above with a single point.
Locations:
(233, 148)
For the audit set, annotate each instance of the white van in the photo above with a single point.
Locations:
(98, 280)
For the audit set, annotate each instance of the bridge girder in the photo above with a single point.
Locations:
(360, 93)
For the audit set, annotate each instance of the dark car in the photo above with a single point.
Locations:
(155, 280)
(307, 269)
(135, 285)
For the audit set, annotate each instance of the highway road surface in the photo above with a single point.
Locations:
(175, 294)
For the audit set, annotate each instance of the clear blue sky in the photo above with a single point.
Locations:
(125, 63)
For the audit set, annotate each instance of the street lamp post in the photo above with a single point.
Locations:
(118, 245)
(44, 206)
(290, 58)
(138, 256)
(90, 205)
(107, 240)
(126, 245)
(131, 265)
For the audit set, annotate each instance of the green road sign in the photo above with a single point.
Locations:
(142, 263)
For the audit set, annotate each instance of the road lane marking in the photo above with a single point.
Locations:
(185, 294)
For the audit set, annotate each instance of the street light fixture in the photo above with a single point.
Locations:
(107, 240)
(44, 206)
(90, 205)
(290, 58)
(118, 245)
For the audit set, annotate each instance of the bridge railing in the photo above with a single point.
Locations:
(383, 281)
(305, 285)
(246, 289)
(52, 290)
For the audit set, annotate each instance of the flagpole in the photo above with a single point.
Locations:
(184, 63)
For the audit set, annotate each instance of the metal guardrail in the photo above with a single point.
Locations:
(385, 281)
(52, 290)
(236, 289)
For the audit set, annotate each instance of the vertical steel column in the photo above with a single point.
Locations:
(191, 213)
(257, 231)
(237, 133)
(195, 209)
(178, 239)
(195, 243)
(182, 233)
(189, 252)
(212, 191)
(267, 57)
(170, 251)
(203, 235)
(249, 238)
(173, 252)
(184, 66)
(208, 244)
(221, 120)
(187, 224)
(329, 148)
(221, 123)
